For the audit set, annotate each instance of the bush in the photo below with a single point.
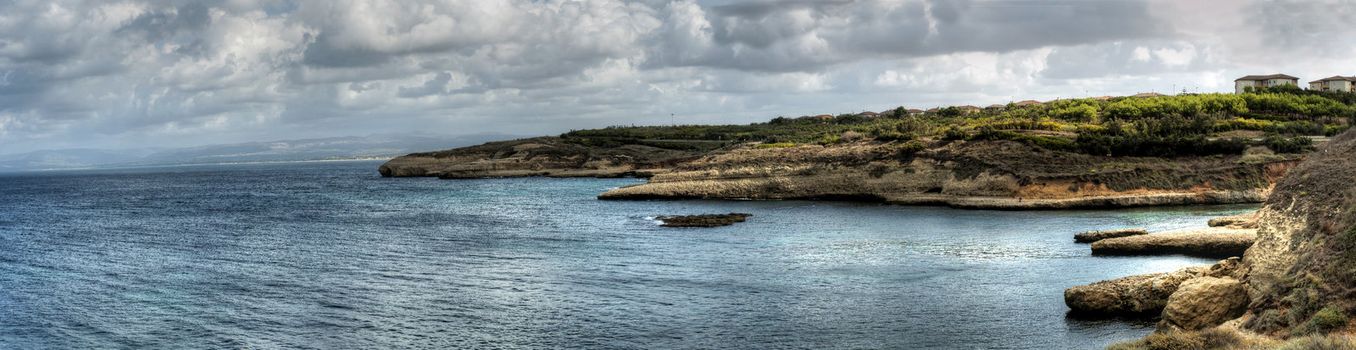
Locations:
(1269, 321)
(1317, 342)
(1326, 320)
(777, 145)
(1213, 338)
(1297, 144)
(1165, 126)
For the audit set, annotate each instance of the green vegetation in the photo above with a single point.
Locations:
(1325, 320)
(1161, 126)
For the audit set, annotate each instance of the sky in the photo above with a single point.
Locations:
(135, 74)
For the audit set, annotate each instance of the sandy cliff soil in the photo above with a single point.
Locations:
(986, 174)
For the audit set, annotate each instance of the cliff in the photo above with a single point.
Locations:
(967, 174)
(1302, 269)
(1296, 285)
(540, 156)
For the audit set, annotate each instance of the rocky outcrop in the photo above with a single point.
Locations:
(541, 156)
(1297, 278)
(1302, 261)
(1214, 242)
(1140, 294)
(704, 220)
(980, 174)
(1204, 302)
(962, 174)
(1093, 236)
(1245, 220)
(1133, 295)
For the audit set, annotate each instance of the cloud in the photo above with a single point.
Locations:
(135, 73)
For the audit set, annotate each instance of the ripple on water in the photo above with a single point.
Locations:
(329, 255)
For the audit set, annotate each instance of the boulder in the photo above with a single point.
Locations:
(1214, 242)
(1133, 295)
(1204, 302)
(1093, 236)
(1141, 294)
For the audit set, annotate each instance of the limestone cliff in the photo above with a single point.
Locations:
(1302, 269)
(977, 174)
(1297, 281)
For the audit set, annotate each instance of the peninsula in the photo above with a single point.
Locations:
(1091, 152)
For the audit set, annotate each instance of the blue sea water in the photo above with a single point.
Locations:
(332, 256)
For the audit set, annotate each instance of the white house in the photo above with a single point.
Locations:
(1256, 81)
(1333, 83)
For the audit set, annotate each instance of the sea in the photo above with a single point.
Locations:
(330, 255)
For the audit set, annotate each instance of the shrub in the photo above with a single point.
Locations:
(954, 133)
(1325, 320)
(1297, 144)
(777, 145)
(1269, 321)
(1317, 342)
(851, 136)
(1213, 338)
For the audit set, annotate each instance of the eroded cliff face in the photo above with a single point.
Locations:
(987, 174)
(541, 156)
(1302, 269)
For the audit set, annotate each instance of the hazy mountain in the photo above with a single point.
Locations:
(334, 148)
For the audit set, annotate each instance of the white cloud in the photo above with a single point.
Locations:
(166, 72)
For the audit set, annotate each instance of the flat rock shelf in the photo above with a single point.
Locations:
(703, 220)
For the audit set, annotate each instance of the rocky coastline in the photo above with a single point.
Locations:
(1290, 288)
(960, 174)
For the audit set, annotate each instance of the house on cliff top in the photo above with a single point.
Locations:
(1241, 85)
(1333, 83)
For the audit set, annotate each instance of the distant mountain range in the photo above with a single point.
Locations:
(334, 148)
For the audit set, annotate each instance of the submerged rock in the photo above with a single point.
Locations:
(1093, 236)
(1204, 302)
(705, 220)
(1215, 242)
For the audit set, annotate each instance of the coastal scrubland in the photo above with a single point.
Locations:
(1089, 152)
(1159, 126)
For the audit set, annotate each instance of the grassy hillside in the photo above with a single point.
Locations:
(1161, 126)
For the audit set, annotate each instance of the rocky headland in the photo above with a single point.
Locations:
(964, 174)
(539, 156)
(982, 174)
(1072, 153)
(1294, 287)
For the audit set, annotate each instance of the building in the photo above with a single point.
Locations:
(1147, 94)
(1257, 81)
(1333, 83)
